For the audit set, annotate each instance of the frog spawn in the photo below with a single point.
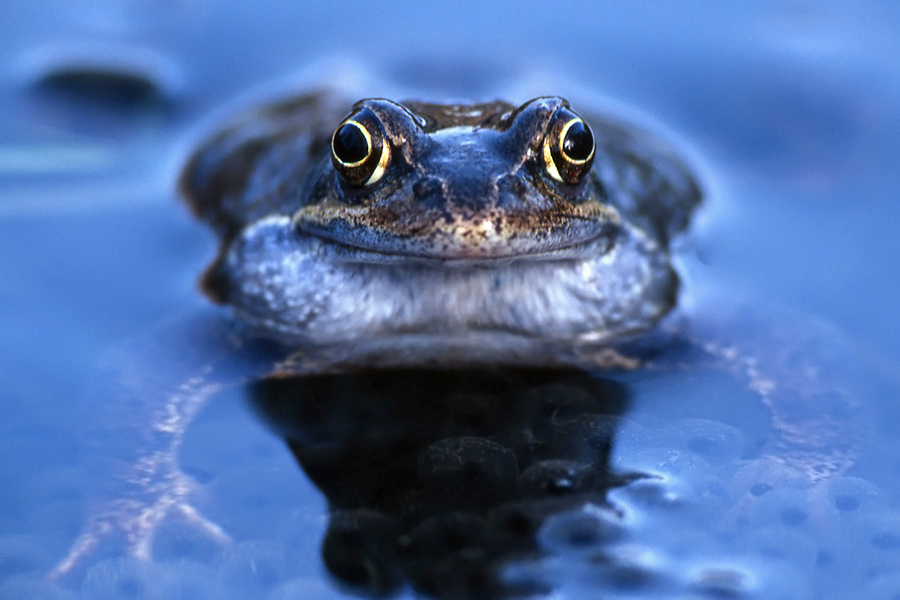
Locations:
(650, 536)
(709, 578)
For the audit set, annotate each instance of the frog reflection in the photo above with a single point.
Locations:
(442, 478)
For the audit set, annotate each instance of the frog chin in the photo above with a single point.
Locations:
(301, 291)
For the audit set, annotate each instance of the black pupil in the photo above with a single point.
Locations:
(350, 145)
(579, 142)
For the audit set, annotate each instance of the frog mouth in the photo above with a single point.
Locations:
(461, 241)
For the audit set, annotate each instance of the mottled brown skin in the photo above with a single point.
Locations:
(465, 250)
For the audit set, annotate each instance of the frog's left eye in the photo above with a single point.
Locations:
(359, 149)
(568, 147)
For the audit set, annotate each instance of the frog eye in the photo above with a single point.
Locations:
(568, 147)
(359, 149)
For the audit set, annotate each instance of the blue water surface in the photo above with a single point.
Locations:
(789, 110)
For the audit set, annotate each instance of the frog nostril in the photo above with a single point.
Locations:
(512, 191)
(429, 191)
(513, 184)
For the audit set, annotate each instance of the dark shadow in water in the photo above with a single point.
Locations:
(101, 87)
(112, 94)
(440, 478)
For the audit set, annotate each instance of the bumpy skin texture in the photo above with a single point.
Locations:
(465, 251)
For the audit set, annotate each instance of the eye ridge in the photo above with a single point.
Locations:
(360, 151)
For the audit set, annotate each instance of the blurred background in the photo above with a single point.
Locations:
(788, 109)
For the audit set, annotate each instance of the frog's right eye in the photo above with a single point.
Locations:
(568, 147)
(359, 149)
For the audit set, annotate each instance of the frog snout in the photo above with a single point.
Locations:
(471, 193)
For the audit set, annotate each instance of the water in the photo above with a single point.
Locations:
(790, 112)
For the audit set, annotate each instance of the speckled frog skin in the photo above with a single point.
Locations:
(430, 233)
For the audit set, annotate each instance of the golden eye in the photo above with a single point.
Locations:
(359, 149)
(568, 147)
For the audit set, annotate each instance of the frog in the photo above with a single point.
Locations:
(416, 233)
(374, 234)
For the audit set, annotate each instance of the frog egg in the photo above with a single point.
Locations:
(585, 438)
(586, 529)
(792, 508)
(445, 534)
(746, 577)
(680, 478)
(519, 521)
(527, 576)
(635, 566)
(874, 542)
(853, 496)
(713, 441)
(781, 543)
(654, 493)
(728, 581)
